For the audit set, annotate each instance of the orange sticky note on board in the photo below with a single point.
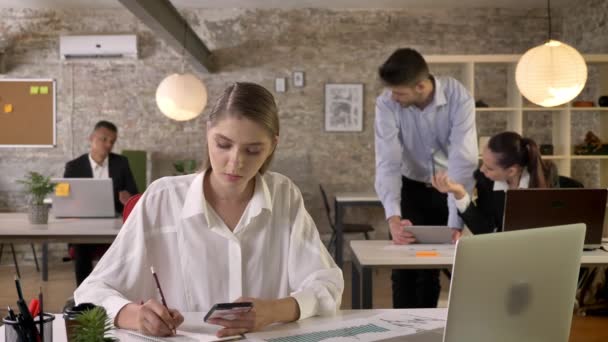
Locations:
(8, 108)
(62, 189)
(427, 253)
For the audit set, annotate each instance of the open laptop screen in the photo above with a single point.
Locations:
(86, 197)
(532, 208)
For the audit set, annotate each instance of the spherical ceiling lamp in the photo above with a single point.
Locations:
(181, 97)
(551, 74)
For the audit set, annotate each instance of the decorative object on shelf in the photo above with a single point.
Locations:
(582, 104)
(603, 101)
(38, 187)
(298, 79)
(481, 104)
(343, 107)
(185, 167)
(551, 74)
(90, 325)
(546, 149)
(591, 146)
(182, 96)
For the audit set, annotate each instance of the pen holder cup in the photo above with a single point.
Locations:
(10, 328)
(69, 317)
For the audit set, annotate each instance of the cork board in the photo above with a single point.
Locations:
(27, 113)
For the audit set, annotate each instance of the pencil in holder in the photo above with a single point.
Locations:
(14, 333)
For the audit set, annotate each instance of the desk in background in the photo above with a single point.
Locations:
(370, 254)
(15, 228)
(342, 201)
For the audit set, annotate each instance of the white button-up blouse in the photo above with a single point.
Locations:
(274, 252)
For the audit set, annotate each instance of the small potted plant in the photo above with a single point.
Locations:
(38, 187)
(185, 167)
(92, 325)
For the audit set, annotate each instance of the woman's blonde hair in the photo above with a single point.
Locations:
(250, 101)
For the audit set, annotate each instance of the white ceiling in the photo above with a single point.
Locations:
(293, 3)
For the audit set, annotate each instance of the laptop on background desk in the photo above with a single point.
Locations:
(532, 208)
(86, 197)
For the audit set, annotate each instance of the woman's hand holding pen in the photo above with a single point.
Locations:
(150, 318)
(398, 232)
(264, 312)
(442, 183)
(155, 319)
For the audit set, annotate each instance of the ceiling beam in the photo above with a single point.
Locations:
(168, 24)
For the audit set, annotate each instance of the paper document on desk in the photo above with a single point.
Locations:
(193, 332)
(375, 328)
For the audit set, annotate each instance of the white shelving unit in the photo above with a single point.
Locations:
(515, 107)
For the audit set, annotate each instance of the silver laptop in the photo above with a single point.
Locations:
(531, 208)
(514, 286)
(88, 197)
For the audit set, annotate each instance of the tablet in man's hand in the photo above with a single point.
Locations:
(431, 234)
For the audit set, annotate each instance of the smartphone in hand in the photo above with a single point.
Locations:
(228, 311)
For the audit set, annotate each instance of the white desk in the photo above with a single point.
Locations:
(351, 199)
(371, 254)
(59, 333)
(15, 228)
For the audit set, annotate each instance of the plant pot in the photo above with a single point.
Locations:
(38, 213)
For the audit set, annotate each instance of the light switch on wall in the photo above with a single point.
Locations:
(298, 79)
(279, 85)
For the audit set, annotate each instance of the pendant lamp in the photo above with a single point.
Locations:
(181, 96)
(551, 74)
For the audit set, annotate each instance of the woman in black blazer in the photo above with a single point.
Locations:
(509, 161)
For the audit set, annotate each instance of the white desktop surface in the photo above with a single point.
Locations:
(59, 334)
(383, 253)
(15, 227)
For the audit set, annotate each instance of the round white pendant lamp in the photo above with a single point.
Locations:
(551, 74)
(181, 97)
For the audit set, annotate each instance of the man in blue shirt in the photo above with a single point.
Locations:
(423, 124)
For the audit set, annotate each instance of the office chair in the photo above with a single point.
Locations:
(129, 206)
(567, 182)
(15, 257)
(346, 227)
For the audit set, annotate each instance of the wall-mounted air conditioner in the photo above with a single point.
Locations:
(98, 46)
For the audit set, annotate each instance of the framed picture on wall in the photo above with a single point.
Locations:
(344, 107)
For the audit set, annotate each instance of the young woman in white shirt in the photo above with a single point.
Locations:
(233, 232)
(509, 161)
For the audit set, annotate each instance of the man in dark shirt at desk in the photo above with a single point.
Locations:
(100, 162)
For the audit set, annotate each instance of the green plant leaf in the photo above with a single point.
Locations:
(92, 326)
(37, 186)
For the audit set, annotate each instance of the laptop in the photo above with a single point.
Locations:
(514, 286)
(531, 208)
(87, 197)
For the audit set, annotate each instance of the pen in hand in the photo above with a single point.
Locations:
(160, 290)
(162, 296)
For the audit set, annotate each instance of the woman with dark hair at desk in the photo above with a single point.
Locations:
(510, 161)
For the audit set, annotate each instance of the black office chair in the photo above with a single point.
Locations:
(567, 182)
(15, 257)
(346, 227)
